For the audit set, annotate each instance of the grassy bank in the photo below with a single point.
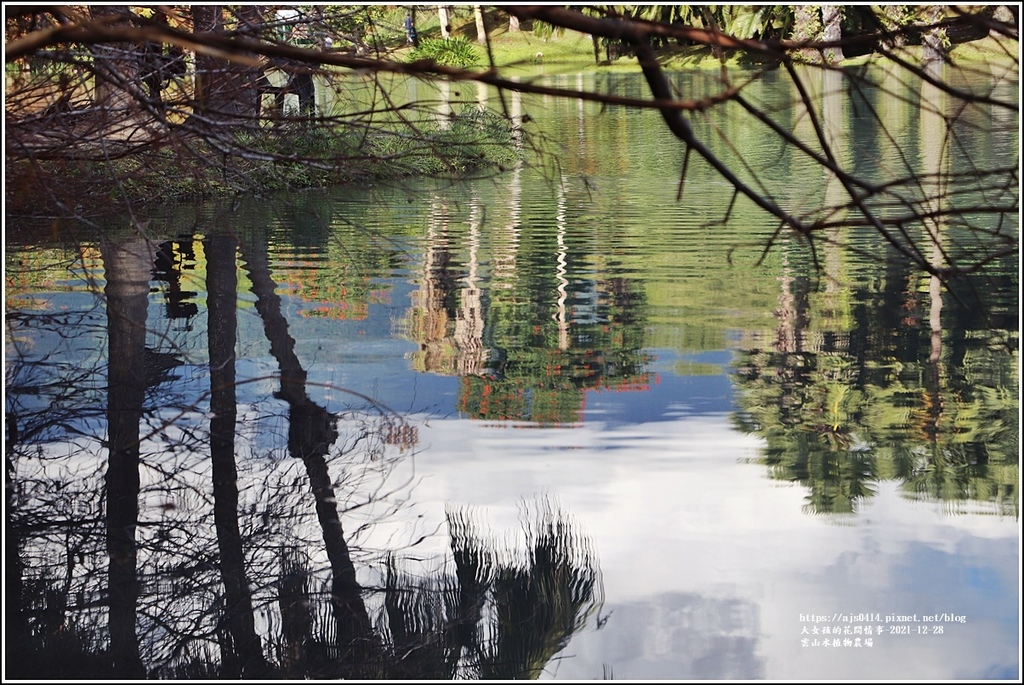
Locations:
(287, 156)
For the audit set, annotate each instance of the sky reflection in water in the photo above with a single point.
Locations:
(708, 566)
(712, 564)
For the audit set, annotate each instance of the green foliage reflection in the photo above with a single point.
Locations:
(866, 396)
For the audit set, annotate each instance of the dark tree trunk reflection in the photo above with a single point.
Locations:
(311, 433)
(15, 618)
(241, 651)
(127, 267)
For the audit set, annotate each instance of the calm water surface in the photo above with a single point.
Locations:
(552, 424)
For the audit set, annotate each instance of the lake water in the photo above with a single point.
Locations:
(550, 424)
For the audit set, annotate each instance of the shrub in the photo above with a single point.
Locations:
(456, 51)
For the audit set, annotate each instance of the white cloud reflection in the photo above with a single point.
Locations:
(684, 526)
(707, 564)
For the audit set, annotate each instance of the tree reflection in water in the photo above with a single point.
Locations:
(842, 411)
(168, 551)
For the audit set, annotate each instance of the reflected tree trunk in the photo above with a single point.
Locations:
(505, 259)
(901, 311)
(242, 656)
(835, 123)
(793, 308)
(311, 433)
(275, 326)
(934, 145)
(507, 237)
(792, 312)
(934, 163)
(127, 268)
(469, 321)
(561, 315)
(935, 307)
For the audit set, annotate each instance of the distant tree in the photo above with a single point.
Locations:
(481, 26)
(443, 18)
(226, 89)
